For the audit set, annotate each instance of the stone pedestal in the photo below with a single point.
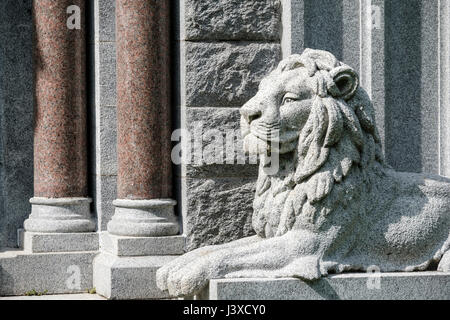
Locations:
(350, 286)
(142, 235)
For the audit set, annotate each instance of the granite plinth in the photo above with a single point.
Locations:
(122, 278)
(351, 286)
(142, 246)
(60, 242)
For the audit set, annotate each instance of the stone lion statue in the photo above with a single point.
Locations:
(333, 205)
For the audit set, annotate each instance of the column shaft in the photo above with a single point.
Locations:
(60, 162)
(143, 101)
(144, 207)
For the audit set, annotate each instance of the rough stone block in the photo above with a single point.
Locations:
(226, 74)
(128, 277)
(60, 242)
(69, 272)
(211, 128)
(353, 286)
(142, 246)
(218, 210)
(232, 19)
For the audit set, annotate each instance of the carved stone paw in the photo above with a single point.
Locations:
(169, 270)
(306, 268)
(192, 277)
(444, 264)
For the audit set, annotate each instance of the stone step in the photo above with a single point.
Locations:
(52, 273)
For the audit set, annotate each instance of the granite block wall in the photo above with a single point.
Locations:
(225, 48)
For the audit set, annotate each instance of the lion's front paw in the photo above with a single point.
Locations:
(193, 277)
(163, 273)
(306, 268)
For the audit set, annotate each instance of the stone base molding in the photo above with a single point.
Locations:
(144, 218)
(60, 215)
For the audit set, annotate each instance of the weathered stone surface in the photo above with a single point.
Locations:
(226, 74)
(386, 286)
(205, 125)
(218, 210)
(233, 20)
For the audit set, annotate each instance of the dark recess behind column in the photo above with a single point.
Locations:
(403, 58)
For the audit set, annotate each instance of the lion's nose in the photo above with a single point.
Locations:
(250, 114)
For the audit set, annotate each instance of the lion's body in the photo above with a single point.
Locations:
(332, 205)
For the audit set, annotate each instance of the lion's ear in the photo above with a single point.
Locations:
(345, 82)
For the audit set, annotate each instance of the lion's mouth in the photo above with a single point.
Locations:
(255, 143)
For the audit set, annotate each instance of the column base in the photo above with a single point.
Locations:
(59, 215)
(144, 218)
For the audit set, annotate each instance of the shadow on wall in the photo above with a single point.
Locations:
(403, 64)
(16, 117)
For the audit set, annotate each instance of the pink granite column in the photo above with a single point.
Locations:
(60, 168)
(143, 207)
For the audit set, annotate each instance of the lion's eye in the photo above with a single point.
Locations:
(289, 99)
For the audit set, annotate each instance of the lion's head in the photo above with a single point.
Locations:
(325, 126)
